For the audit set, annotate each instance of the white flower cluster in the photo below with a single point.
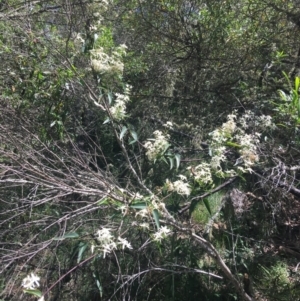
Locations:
(118, 110)
(233, 131)
(108, 243)
(179, 186)
(156, 147)
(219, 138)
(250, 119)
(103, 63)
(202, 173)
(229, 127)
(168, 125)
(249, 143)
(162, 233)
(265, 121)
(31, 282)
(145, 226)
(143, 213)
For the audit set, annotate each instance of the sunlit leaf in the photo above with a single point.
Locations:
(193, 206)
(233, 144)
(123, 132)
(297, 82)
(82, 248)
(98, 283)
(177, 158)
(156, 218)
(164, 159)
(36, 293)
(110, 97)
(171, 160)
(134, 135)
(104, 201)
(142, 205)
(106, 120)
(207, 205)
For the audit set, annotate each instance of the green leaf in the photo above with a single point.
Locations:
(156, 218)
(282, 95)
(287, 79)
(99, 286)
(106, 120)
(134, 135)
(36, 293)
(171, 160)
(193, 206)
(82, 248)
(68, 235)
(166, 147)
(177, 158)
(105, 201)
(207, 205)
(132, 141)
(297, 82)
(110, 97)
(142, 205)
(123, 132)
(164, 159)
(232, 144)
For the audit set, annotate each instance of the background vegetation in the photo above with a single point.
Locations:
(149, 150)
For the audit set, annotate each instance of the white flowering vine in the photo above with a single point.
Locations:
(103, 63)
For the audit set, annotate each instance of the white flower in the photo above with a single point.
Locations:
(249, 157)
(168, 125)
(104, 236)
(142, 213)
(182, 188)
(229, 127)
(182, 177)
(79, 38)
(165, 230)
(31, 282)
(124, 243)
(123, 46)
(156, 147)
(144, 225)
(103, 63)
(118, 110)
(179, 186)
(162, 233)
(202, 173)
(124, 209)
(265, 121)
(230, 173)
(107, 248)
(138, 196)
(216, 161)
(169, 185)
(41, 299)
